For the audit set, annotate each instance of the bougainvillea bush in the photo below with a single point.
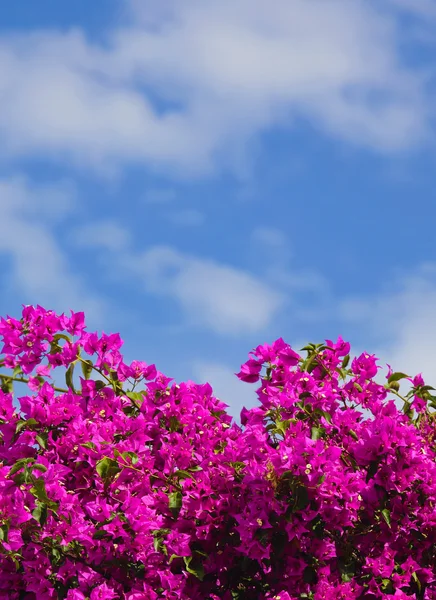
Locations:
(116, 482)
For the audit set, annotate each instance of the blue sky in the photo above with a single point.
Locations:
(207, 176)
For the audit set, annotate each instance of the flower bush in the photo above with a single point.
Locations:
(120, 483)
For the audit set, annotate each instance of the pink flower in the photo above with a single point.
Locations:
(250, 371)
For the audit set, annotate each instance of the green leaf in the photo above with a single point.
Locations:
(158, 542)
(327, 416)
(113, 375)
(397, 377)
(345, 361)
(238, 466)
(132, 455)
(353, 434)
(301, 498)
(4, 531)
(387, 586)
(27, 474)
(40, 513)
(417, 581)
(15, 558)
(317, 432)
(107, 468)
(89, 445)
(39, 467)
(175, 424)
(372, 470)
(342, 372)
(22, 462)
(87, 367)
(136, 397)
(194, 567)
(61, 336)
(308, 348)
(42, 439)
(38, 490)
(56, 556)
(358, 386)
(173, 557)
(7, 385)
(386, 516)
(22, 424)
(346, 569)
(69, 377)
(283, 426)
(407, 409)
(55, 347)
(100, 534)
(180, 474)
(175, 501)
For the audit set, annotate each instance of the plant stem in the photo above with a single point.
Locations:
(24, 380)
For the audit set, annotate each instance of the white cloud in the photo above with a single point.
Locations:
(219, 297)
(188, 217)
(308, 290)
(160, 196)
(398, 325)
(187, 85)
(421, 8)
(226, 386)
(402, 322)
(104, 234)
(271, 238)
(39, 269)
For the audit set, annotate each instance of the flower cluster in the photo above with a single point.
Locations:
(118, 483)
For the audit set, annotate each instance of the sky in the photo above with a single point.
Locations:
(204, 177)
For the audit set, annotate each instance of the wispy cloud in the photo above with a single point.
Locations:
(160, 196)
(213, 295)
(271, 238)
(216, 296)
(187, 85)
(39, 269)
(420, 8)
(401, 321)
(104, 234)
(308, 290)
(186, 217)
